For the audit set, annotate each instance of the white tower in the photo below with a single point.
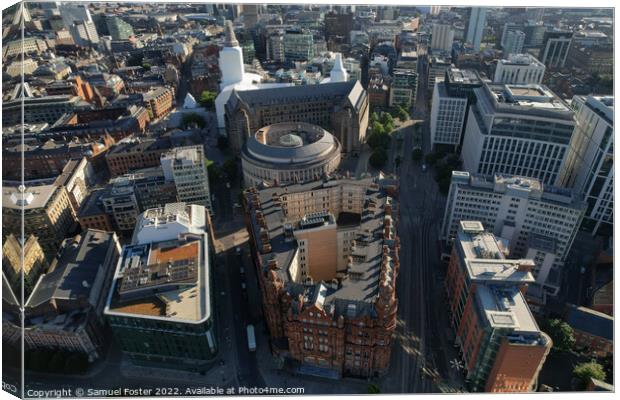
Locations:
(231, 59)
(338, 73)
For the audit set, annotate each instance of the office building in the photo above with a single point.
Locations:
(408, 59)
(520, 130)
(450, 106)
(514, 43)
(509, 27)
(322, 272)
(65, 310)
(92, 215)
(160, 304)
(338, 26)
(186, 167)
(74, 12)
(84, 34)
(475, 26)
(118, 29)
(403, 88)
(134, 154)
(538, 221)
(275, 47)
(437, 69)
(519, 69)
(340, 107)
(555, 48)
(287, 153)
(590, 165)
(159, 102)
(298, 46)
(34, 263)
(501, 345)
(26, 46)
(47, 109)
(442, 36)
(47, 214)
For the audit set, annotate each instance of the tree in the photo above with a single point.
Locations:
(379, 140)
(561, 334)
(378, 157)
(374, 118)
(213, 171)
(207, 99)
(373, 389)
(403, 115)
(190, 120)
(584, 371)
(230, 168)
(146, 66)
(417, 154)
(386, 118)
(222, 142)
(377, 127)
(431, 158)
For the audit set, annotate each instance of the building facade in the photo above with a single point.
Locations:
(403, 88)
(521, 130)
(34, 263)
(136, 154)
(341, 108)
(450, 106)
(186, 167)
(520, 69)
(328, 286)
(502, 348)
(555, 49)
(475, 26)
(591, 162)
(538, 221)
(442, 36)
(514, 43)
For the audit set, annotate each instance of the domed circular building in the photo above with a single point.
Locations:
(289, 152)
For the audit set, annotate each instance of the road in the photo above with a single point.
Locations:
(422, 351)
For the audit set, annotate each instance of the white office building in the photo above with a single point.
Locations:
(539, 222)
(555, 48)
(519, 69)
(447, 116)
(442, 37)
(475, 26)
(520, 130)
(514, 43)
(590, 167)
(186, 167)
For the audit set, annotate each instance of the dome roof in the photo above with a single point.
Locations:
(291, 140)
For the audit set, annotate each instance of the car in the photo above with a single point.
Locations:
(423, 167)
(243, 286)
(242, 270)
(238, 251)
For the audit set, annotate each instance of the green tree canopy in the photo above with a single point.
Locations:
(230, 168)
(561, 334)
(402, 114)
(386, 118)
(378, 157)
(379, 140)
(192, 119)
(207, 99)
(583, 372)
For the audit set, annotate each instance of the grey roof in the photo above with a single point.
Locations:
(591, 321)
(294, 94)
(74, 272)
(309, 153)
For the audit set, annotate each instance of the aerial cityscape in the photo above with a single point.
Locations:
(265, 199)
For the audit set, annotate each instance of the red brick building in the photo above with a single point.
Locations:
(335, 327)
(137, 154)
(593, 330)
(500, 343)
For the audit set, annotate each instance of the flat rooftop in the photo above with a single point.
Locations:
(34, 197)
(526, 97)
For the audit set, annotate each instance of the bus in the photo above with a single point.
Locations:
(251, 338)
